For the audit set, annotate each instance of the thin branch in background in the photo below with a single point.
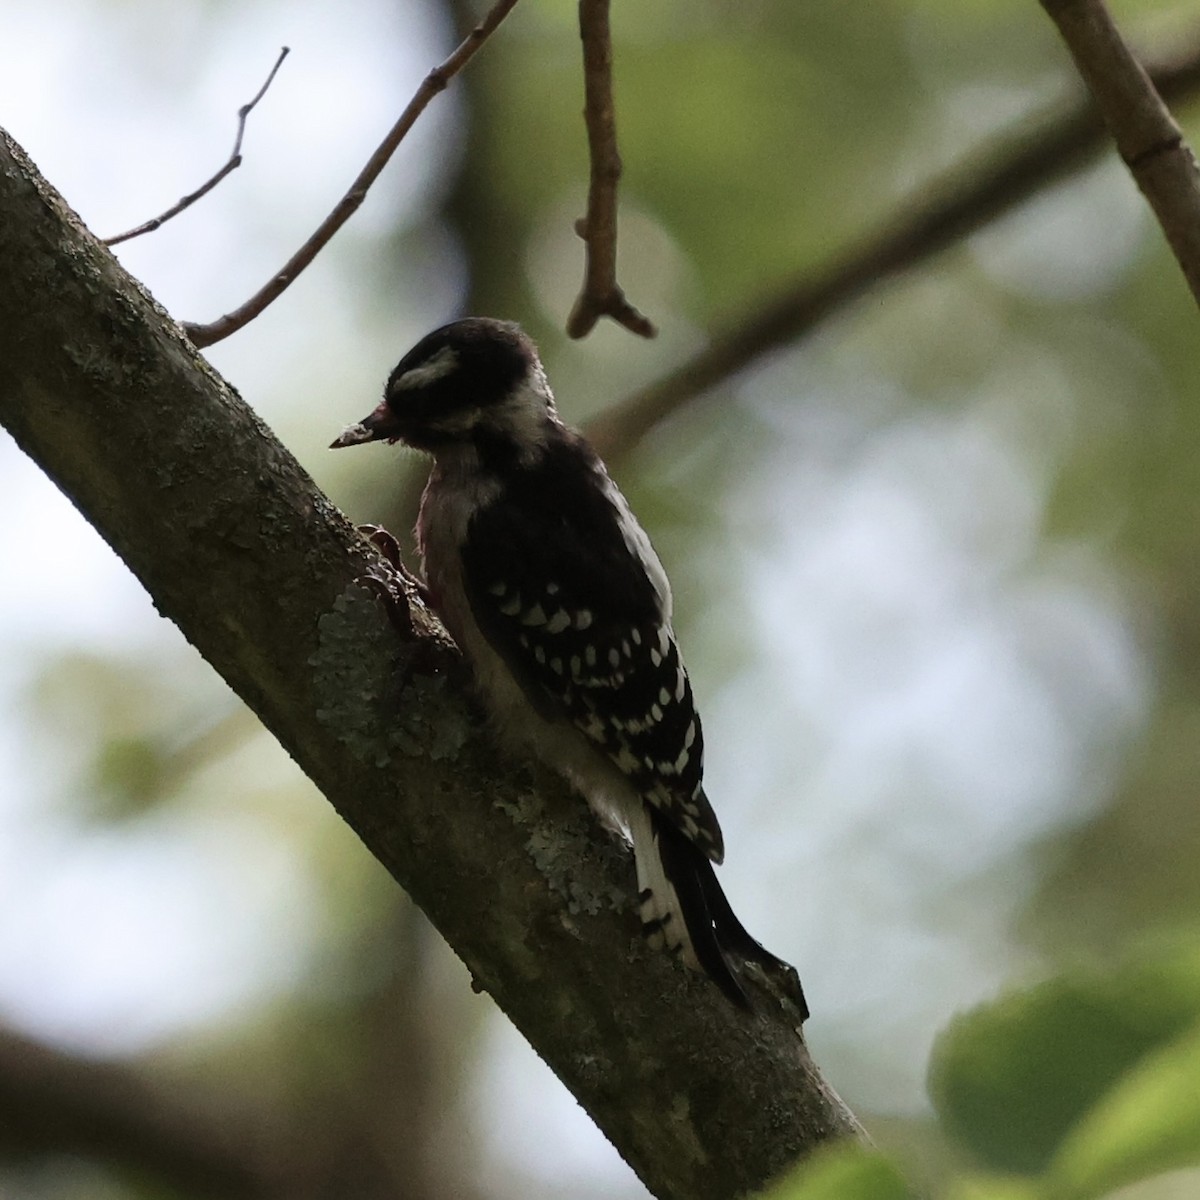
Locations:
(981, 189)
(55, 1103)
(433, 83)
(1147, 136)
(358, 1134)
(601, 295)
(235, 161)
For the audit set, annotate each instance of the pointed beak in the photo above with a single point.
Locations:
(379, 425)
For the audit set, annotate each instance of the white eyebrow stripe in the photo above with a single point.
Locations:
(430, 371)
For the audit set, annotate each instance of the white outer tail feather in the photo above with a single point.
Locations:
(658, 902)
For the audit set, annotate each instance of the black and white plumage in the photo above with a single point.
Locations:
(549, 585)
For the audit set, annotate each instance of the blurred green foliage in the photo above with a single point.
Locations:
(1012, 1079)
(1070, 1090)
(843, 1173)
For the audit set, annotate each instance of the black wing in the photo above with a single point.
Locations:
(559, 587)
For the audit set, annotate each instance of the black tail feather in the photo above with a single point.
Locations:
(684, 866)
(716, 934)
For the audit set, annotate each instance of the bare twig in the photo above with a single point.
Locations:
(235, 161)
(433, 83)
(1146, 134)
(978, 191)
(601, 295)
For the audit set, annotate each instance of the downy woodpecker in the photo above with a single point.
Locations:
(543, 576)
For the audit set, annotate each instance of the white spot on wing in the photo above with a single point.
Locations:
(560, 621)
(593, 727)
(626, 761)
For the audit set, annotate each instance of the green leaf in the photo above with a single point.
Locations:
(992, 1187)
(1149, 1123)
(1010, 1079)
(846, 1172)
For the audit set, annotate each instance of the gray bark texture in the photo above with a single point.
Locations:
(264, 576)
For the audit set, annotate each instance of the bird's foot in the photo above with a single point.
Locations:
(393, 582)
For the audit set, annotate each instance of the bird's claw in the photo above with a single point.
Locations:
(389, 583)
(387, 545)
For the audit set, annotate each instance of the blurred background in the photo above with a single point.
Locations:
(935, 566)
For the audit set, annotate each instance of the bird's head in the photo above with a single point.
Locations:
(474, 383)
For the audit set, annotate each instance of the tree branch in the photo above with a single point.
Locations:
(436, 81)
(979, 190)
(1147, 137)
(357, 1134)
(236, 545)
(232, 163)
(601, 295)
(55, 1103)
